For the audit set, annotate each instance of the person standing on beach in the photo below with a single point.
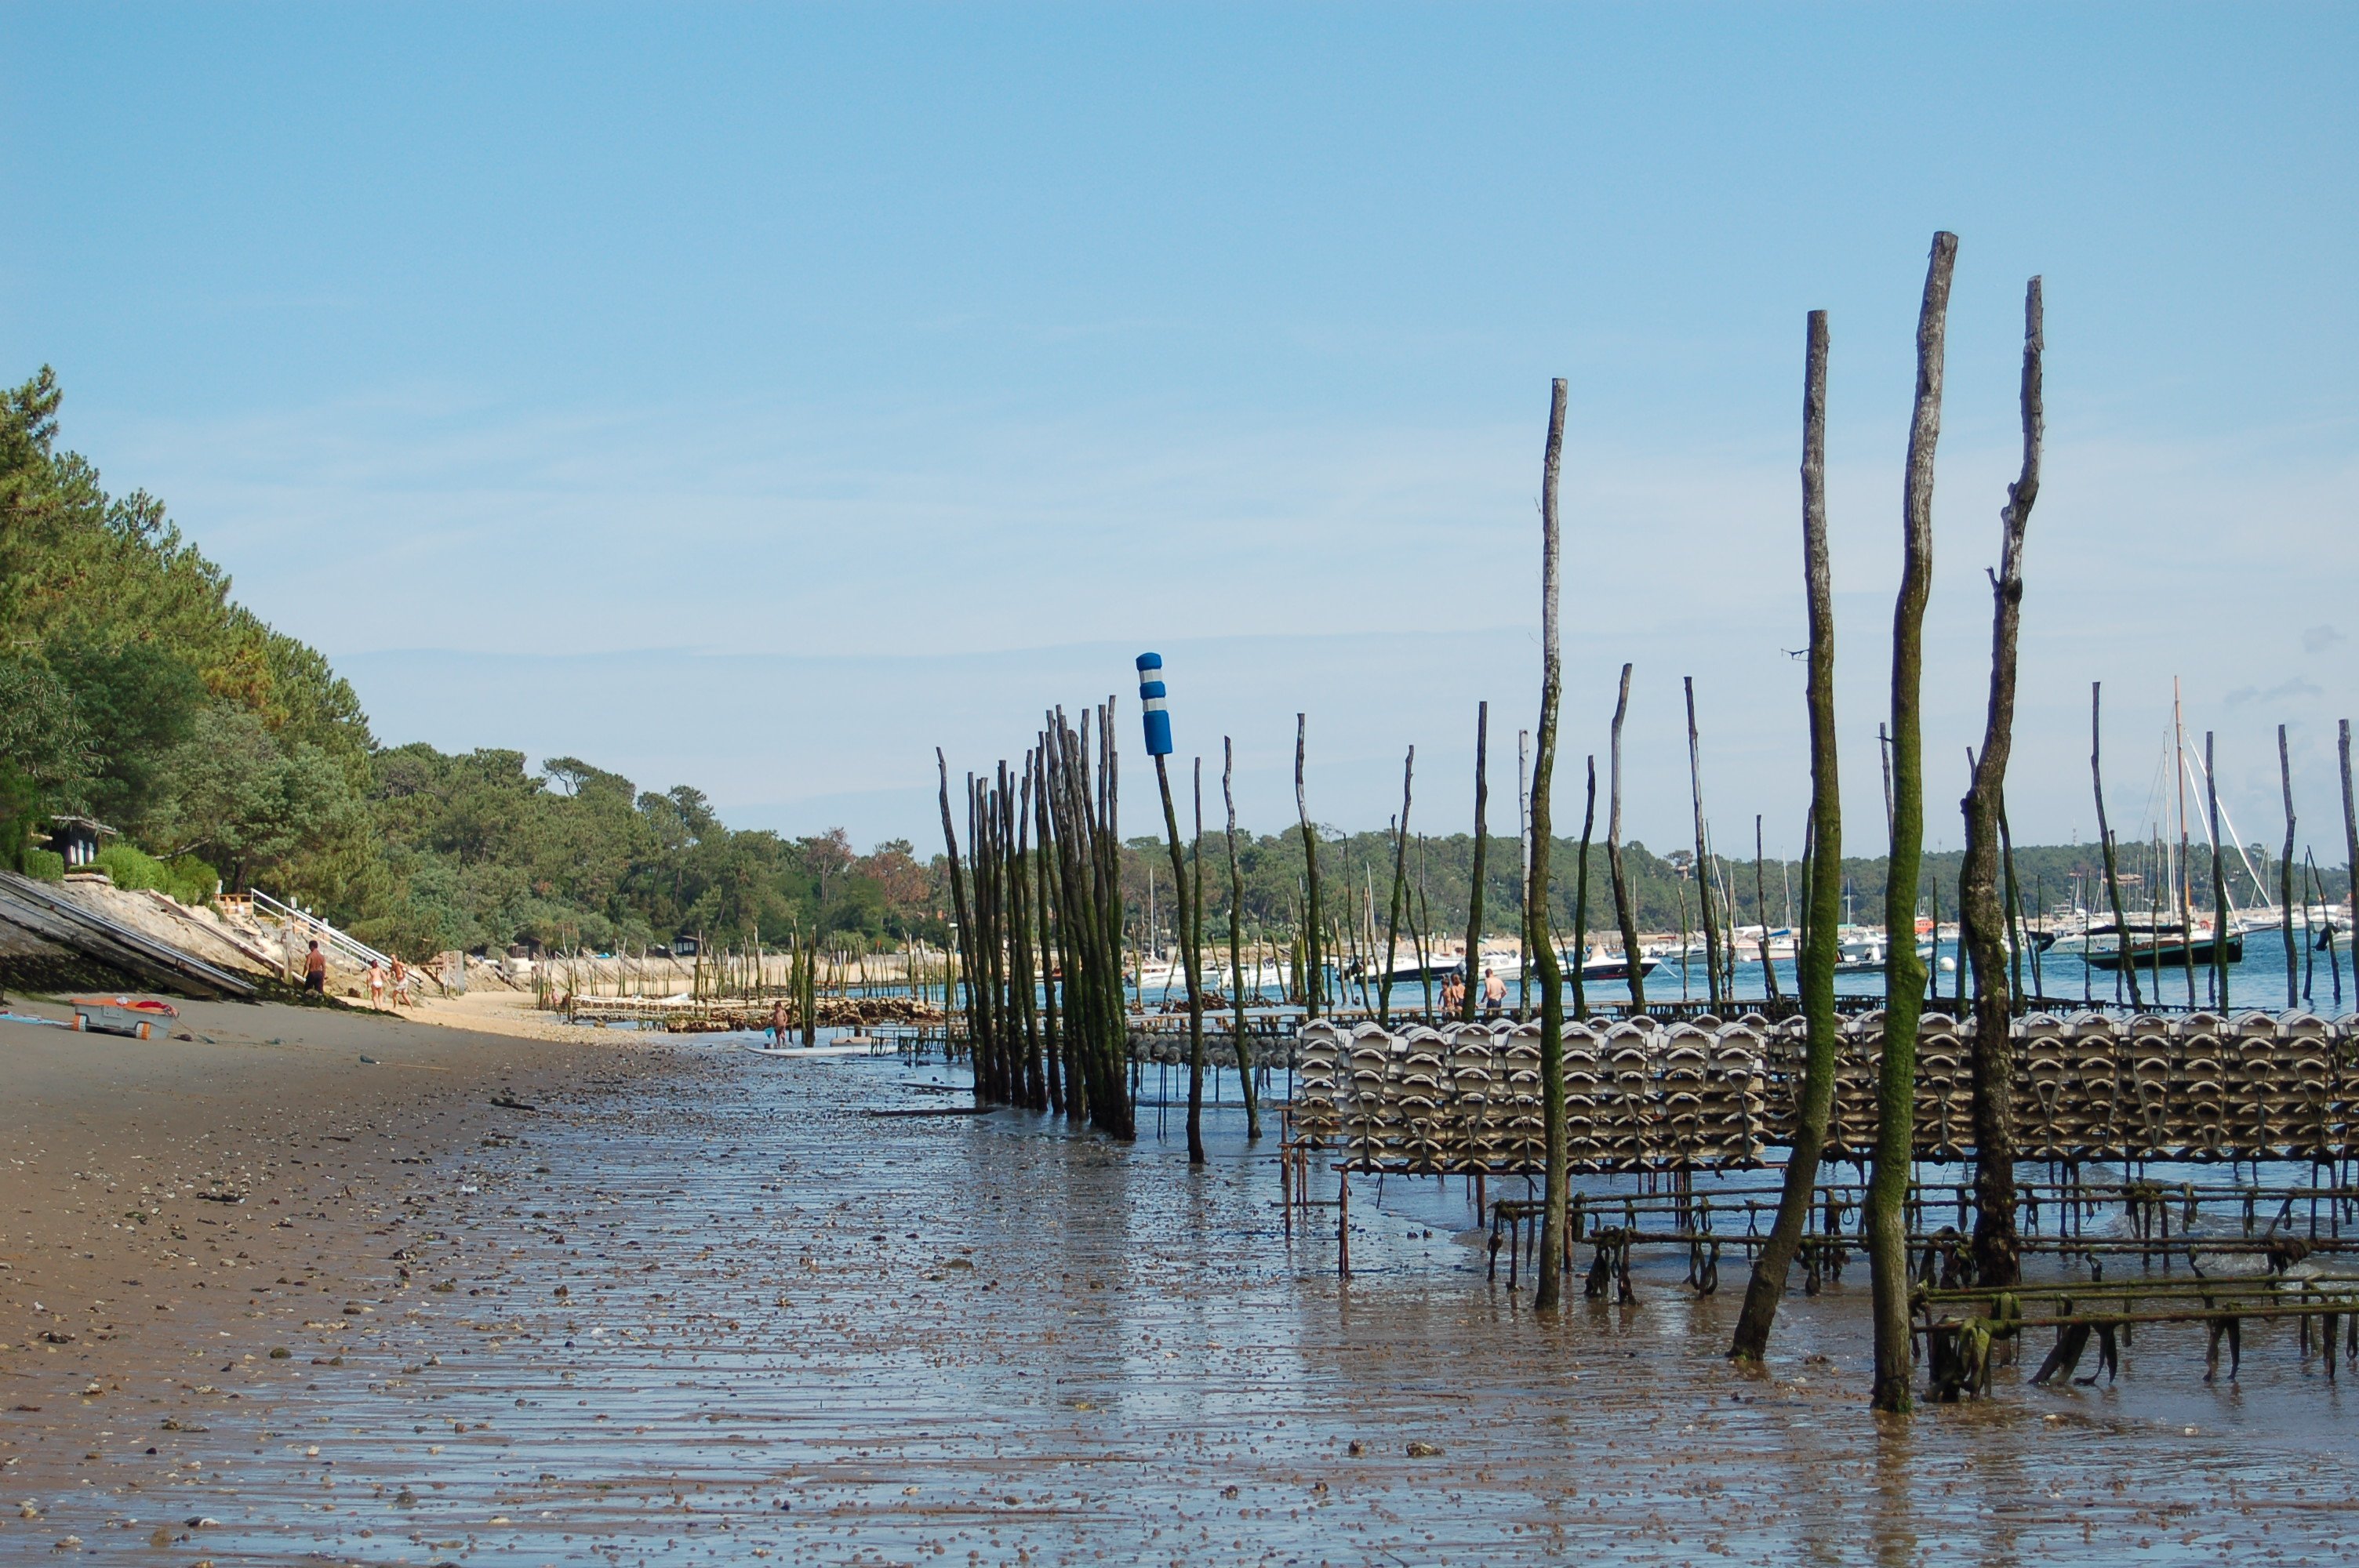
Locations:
(376, 986)
(315, 972)
(778, 1022)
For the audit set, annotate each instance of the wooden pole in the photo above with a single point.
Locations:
(1236, 959)
(1400, 879)
(1761, 910)
(2313, 893)
(1107, 829)
(1082, 931)
(2285, 876)
(1535, 898)
(1021, 949)
(1524, 871)
(1815, 954)
(1102, 797)
(1624, 914)
(809, 1005)
(1887, 1188)
(1581, 890)
(1421, 928)
(1883, 749)
(1983, 927)
(1088, 1088)
(958, 906)
(2220, 868)
(1043, 877)
(990, 946)
(1188, 958)
(1681, 889)
(1703, 855)
(2351, 849)
(2015, 940)
(1195, 915)
(1314, 972)
(2182, 892)
(1473, 965)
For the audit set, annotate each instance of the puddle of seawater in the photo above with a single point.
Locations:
(731, 1316)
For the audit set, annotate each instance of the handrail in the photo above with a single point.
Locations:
(342, 942)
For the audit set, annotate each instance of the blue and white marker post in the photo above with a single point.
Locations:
(1150, 702)
(1157, 720)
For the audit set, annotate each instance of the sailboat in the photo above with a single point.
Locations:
(2165, 942)
(2168, 932)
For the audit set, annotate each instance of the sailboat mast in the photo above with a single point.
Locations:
(2182, 888)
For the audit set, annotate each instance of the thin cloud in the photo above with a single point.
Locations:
(2285, 691)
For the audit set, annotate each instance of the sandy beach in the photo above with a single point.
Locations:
(176, 1209)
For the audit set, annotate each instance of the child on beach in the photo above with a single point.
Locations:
(315, 972)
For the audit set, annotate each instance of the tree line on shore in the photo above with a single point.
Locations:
(136, 691)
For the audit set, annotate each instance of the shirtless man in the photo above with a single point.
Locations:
(315, 971)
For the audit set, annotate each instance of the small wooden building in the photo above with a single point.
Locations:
(78, 838)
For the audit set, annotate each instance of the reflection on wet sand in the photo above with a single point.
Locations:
(722, 1314)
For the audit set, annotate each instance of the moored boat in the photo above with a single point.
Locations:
(2167, 944)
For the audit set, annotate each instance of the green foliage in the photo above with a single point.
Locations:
(138, 627)
(250, 798)
(45, 865)
(133, 689)
(19, 813)
(136, 702)
(186, 878)
(130, 868)
(192, 881)
(484, 851)
(44, 743)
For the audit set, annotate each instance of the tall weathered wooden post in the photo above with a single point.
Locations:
(1895, 1093)
(1816, 951)
(1982, 925)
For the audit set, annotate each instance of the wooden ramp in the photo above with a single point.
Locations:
(32, 909)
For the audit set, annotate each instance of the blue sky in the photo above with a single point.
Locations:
(759, 396)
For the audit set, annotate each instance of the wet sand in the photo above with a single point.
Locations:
(702, 1307)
